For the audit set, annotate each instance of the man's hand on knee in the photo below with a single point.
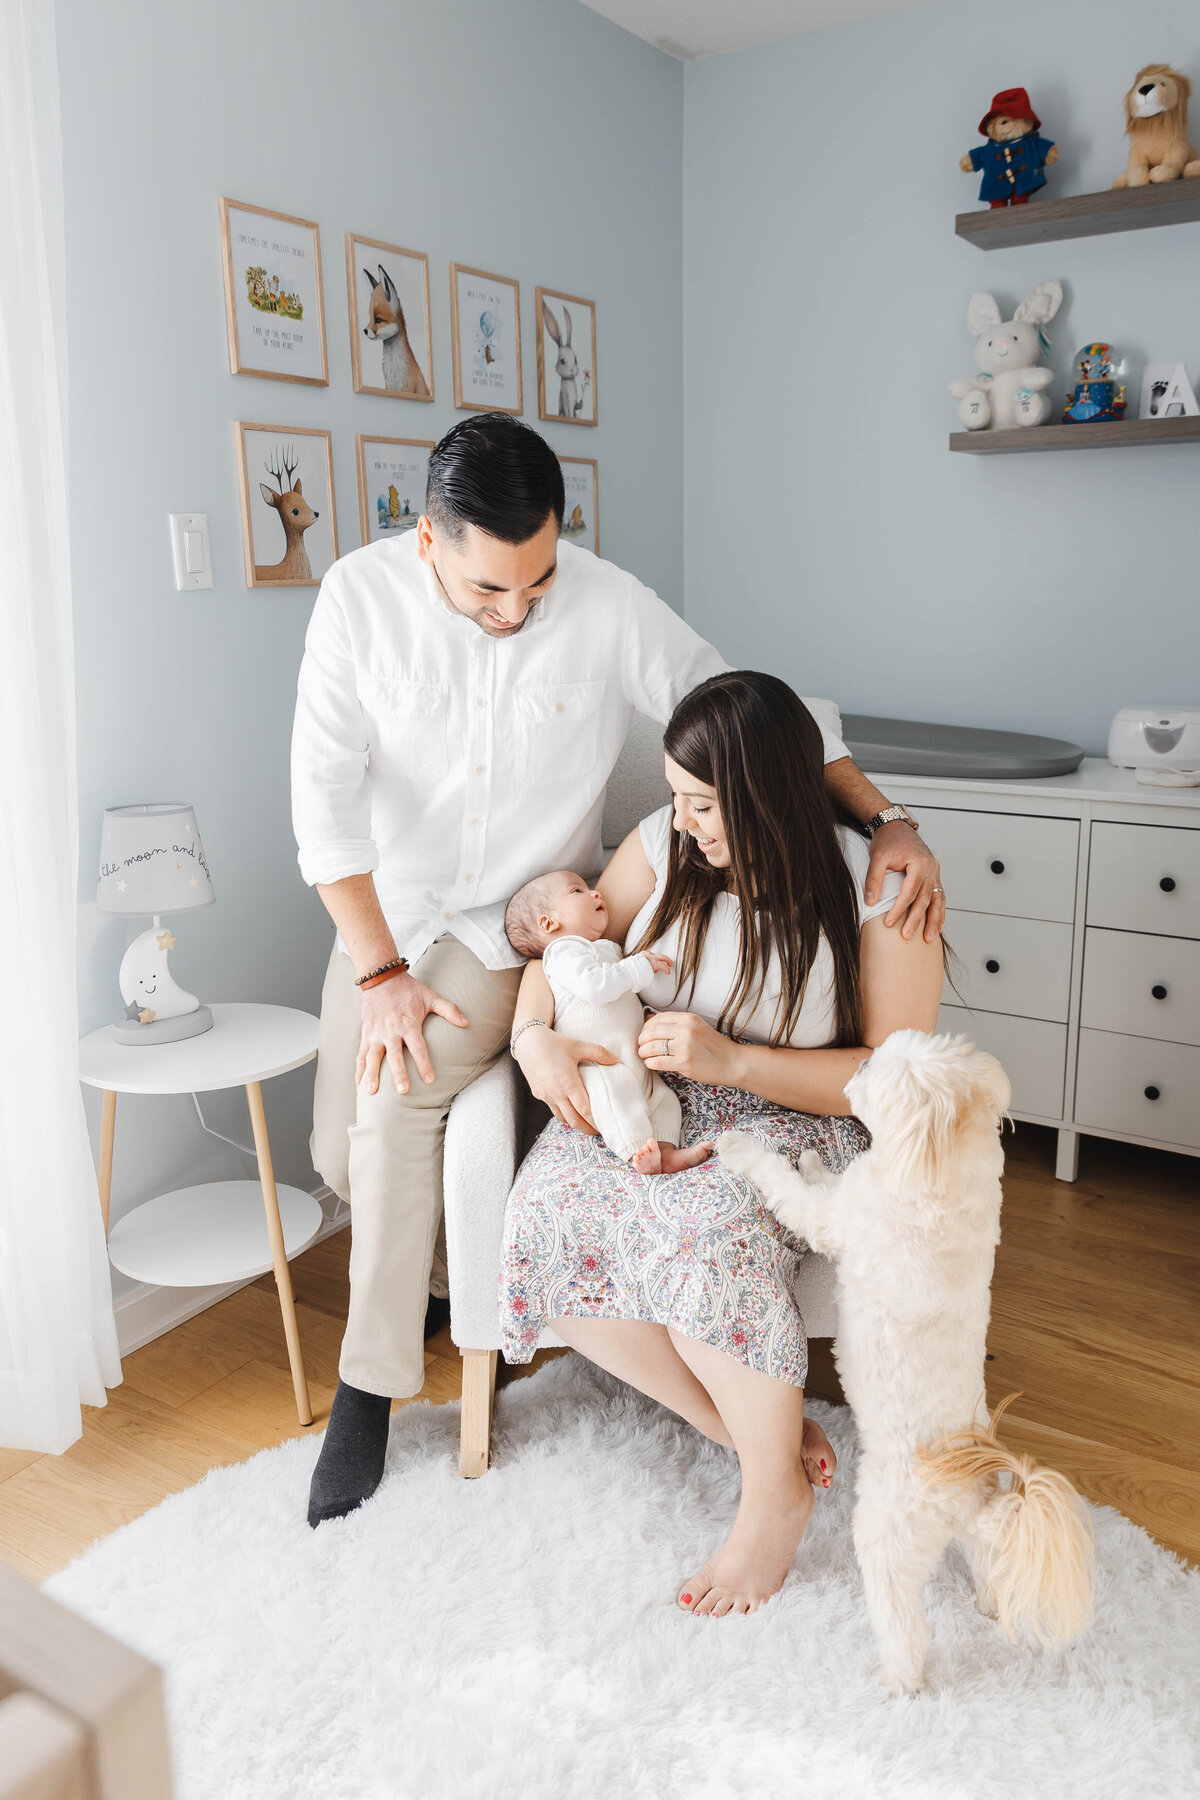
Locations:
(550, 1064)
(394, 1015)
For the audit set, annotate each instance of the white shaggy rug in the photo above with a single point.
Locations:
(515, 1635)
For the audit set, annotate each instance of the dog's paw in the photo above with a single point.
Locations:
(738, 1150)
(902, 1684)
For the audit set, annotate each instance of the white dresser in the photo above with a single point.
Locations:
(1074, 909)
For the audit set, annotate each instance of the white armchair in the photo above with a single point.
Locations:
(493, 1122)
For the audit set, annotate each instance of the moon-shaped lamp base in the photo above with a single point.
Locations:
(163, 1031)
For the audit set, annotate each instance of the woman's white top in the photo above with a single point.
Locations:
(717, 972)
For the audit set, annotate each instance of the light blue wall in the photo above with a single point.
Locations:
(829, 533)
(534, 139)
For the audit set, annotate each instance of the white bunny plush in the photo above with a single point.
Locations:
(566, 364)
(1008, 388)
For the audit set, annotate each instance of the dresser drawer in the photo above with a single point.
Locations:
(1149, 986)
(1032, 1052)
(1139, 1086)
(1001, 863)
(1009, 965)
(1145, 878)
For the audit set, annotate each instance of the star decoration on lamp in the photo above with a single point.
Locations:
(145, 1016)
(165, 940)
(121, 886)
(152, 861)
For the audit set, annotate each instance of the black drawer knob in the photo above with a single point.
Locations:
(992, 966)
(996, 866)
(1151, 1092)
(1167, 884)
(1159, 991)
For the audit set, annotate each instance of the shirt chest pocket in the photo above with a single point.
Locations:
(408, 723)
(558, 724)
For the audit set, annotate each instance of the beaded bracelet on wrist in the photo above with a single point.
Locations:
(524, 1026)
(383, 973)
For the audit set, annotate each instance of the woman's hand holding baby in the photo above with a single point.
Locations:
(695, 1049)
(550, 1064)
(394, 1014)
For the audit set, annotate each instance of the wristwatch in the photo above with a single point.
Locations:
(887, 816)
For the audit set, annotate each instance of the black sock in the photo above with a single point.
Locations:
(350, 1465)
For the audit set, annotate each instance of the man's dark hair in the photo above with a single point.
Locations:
(497, 474)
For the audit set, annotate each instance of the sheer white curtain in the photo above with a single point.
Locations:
(58, 1343)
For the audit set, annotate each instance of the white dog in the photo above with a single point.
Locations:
(913, 1226)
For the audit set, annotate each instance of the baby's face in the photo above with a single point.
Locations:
(574, 909)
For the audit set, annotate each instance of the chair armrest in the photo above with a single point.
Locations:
(483, 1132)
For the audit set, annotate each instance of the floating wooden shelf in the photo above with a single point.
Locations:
(1082, 215)
(1115, 434)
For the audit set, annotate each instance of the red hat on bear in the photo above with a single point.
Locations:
(1014, 104)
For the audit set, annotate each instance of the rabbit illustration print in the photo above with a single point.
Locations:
(566, 358)
(1008, 388)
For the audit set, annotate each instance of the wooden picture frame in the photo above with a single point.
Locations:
(257, 291)
(394, 301)
(305, 560)
(578, 328)
(403, 517)
(481, 387)
(582, 491)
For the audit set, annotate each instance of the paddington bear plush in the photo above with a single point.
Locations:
(1013, 159)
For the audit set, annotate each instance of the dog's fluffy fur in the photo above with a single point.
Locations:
(1156, 125)
(913, 1226)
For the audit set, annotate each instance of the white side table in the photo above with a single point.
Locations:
(216, 1232)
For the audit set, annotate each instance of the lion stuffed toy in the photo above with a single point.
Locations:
(1157, 129)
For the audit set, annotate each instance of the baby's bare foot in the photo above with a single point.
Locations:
(816, 1452)
(673, 1160)
(753, 1561)
(647, 1160)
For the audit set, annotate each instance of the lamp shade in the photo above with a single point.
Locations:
(152, 860)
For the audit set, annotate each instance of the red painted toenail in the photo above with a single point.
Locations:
(686, 1598)
(822, 1462)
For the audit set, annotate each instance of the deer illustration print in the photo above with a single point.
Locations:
(385, 325)
(295, 515)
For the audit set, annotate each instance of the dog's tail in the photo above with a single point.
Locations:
(1037, 1530)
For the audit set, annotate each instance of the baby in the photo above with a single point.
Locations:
(559, 918)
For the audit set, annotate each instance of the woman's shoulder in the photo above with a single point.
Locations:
(857, 851)
(655, 833)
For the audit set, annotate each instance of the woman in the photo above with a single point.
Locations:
(782, 981)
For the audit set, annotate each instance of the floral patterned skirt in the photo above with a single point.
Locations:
(585, 1236)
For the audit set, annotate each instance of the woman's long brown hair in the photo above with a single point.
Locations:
(749, 737)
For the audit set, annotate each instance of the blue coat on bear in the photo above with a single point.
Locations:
(1011, 168)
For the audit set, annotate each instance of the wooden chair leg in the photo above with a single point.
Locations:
(478, 1392)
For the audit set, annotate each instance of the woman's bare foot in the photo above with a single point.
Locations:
(673, 1160)
(647, 1160)
(753, 1561)
(816, 1452)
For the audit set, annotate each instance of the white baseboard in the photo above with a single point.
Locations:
(146, 1312)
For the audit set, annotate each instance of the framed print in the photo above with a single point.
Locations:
(390, 336)
(582, 485)
(485, 328)
(566, 328)
(289, 529)
(391, 484)
(273, 297)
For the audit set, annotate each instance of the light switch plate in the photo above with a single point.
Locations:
(192, 550)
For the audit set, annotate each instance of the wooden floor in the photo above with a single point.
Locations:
(1095, 1316)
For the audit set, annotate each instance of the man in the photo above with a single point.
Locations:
(464, 695)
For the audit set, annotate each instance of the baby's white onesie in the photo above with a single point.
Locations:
(595, 997)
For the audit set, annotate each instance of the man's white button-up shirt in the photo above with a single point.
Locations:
(455, 766)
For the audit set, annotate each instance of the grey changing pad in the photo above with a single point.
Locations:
(909, 747)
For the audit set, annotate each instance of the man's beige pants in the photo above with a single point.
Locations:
(383, 1153)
